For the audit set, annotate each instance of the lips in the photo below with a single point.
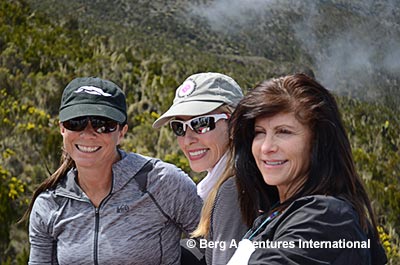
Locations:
(275, 162)
(88, 149)
(197, 154)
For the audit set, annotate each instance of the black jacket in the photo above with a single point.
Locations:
(328, 230)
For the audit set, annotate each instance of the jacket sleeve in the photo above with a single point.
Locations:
(177, 194)
(42, 243)
(298, 235)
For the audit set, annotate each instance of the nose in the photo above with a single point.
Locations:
(269, 145)
(190, 136)
(88, 130)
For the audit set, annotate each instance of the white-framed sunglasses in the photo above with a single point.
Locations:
(199, 125)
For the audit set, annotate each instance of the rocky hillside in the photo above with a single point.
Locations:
(351, 46)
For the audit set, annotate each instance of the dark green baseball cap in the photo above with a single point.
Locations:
(93, 96)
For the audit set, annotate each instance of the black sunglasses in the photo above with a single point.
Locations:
(199, 125)
(99, 124)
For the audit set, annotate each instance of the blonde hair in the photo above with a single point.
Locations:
(203, 227)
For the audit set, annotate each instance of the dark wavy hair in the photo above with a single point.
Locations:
(331, 171)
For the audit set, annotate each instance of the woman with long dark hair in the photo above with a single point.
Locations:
(288, 138)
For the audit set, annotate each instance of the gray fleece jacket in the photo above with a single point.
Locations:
(127, 227)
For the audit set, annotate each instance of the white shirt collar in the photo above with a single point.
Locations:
(207, 183)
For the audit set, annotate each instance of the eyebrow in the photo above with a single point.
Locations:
(277, 126)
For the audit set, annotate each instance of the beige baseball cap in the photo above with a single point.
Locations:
(200, 94)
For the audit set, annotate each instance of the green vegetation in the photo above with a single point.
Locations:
(149, 54)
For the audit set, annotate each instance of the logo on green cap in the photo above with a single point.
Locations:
(92, 90)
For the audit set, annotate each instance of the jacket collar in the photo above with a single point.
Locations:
(126, 169)
(122, 171)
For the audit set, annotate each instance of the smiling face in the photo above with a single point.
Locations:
(90, 149)
(204, 150)
(281, 148)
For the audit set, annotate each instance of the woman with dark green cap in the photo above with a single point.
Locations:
(104, 205)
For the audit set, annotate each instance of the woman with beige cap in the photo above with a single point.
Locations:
(199, 118)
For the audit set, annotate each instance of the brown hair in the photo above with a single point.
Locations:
(51, 182)
(331, 171)
(66, 164)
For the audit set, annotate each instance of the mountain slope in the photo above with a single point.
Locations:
(350, 45)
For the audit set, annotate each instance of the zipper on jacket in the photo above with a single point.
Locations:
(96, 236)
(97, 228)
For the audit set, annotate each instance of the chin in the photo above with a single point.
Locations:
(198, 168)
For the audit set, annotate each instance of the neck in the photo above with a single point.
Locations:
(95, 187)
(287, 191)
(96, 182)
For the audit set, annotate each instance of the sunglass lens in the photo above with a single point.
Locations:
(103, 125)
(76, 124)
(99, 124)
(177, 128)
(203, 124)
